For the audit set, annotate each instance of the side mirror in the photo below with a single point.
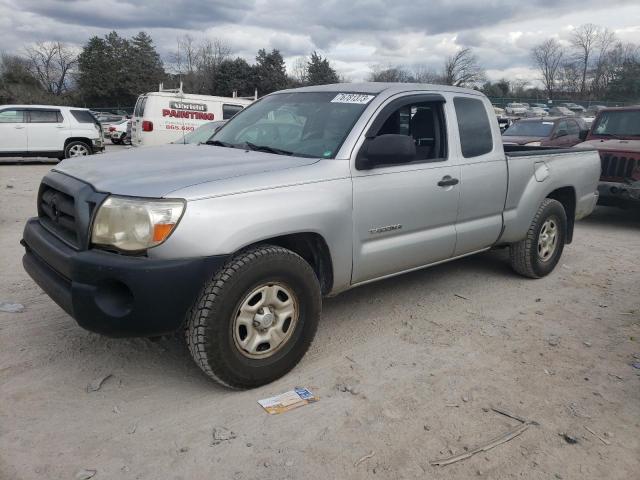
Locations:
(386, 149)
(561, 133)
(583, 134)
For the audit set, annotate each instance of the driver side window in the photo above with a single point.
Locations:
(424, 123)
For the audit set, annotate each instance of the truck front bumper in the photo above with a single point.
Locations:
(112, 294)
(619, 194)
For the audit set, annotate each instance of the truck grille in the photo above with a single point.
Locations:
(58, 213)
(66, 207)
(618, 166)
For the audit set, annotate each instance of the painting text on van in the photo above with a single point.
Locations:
(185, 114)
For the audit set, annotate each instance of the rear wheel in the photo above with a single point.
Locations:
(77, 149)
(256, 318)
(539, 253)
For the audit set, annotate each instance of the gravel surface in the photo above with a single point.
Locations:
(406, 370)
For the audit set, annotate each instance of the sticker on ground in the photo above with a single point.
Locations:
(284, 402)
(358, 98)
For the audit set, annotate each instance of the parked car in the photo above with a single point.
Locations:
(163, 117)
(503, 120)
(515, 109)
(615, 133)
(201, 134)
(537, 112)
(548, 132)
(118, 132)
(48, 131)
(235, 243)
(543, 106)
(574, 107)
(561, 112)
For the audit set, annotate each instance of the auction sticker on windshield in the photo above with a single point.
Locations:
(358, 98)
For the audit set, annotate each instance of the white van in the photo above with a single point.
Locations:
(165, 116)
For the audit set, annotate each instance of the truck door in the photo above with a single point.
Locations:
(13, 130)
(484, 177)
(405, 213)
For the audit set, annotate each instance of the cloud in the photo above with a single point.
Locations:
(354, 35)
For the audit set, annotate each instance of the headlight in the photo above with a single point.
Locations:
(532, 144)
(134, 224)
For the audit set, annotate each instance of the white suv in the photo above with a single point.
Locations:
(48, 131)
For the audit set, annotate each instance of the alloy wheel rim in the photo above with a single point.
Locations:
(265, 320)
(78, 151)
(548, 239)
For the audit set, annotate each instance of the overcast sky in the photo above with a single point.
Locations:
(354, 34)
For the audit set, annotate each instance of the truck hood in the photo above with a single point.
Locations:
(612, 145)
(158, 171)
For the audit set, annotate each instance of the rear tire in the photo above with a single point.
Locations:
(256, 318)
(77, 149)
(537, 255)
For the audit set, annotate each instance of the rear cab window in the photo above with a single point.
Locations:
(474, 127)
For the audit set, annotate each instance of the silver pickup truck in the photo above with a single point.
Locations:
(305, 193)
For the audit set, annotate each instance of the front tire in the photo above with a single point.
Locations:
(256, 318)
(537, 255)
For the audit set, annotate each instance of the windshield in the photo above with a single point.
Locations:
(622, 123)
(529, 129)
(309, 124)
(200, 134)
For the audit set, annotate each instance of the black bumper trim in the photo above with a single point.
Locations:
(112, 294)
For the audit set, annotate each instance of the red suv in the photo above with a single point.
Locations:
(615, 133)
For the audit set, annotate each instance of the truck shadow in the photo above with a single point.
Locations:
(626, 219)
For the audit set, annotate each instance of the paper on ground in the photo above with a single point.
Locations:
(288, 401)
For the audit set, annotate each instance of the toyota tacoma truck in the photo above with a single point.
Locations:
(615, 133)
(306, 193)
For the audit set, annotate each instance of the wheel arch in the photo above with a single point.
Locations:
(313, 248)
(78, 139)
(567, 197)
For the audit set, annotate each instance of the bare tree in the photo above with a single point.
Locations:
(462, 69)
(584, 39)
(51, 63)
(299, 70)
(425, 74)
(197, 62)
(547, 57)
(606, 41)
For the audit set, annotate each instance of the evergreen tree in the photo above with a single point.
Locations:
(144, 65)
(319, 71)
(270, 72)
(113, 71)
(233, 75)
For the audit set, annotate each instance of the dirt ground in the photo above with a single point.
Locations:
(424, 365)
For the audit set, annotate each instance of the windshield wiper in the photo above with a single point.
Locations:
(266, 148)
(218, 143)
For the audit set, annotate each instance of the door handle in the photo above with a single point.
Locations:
(447, 181)
(19, 127)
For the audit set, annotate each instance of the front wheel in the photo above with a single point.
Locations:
(256, 318)
(539, 253)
